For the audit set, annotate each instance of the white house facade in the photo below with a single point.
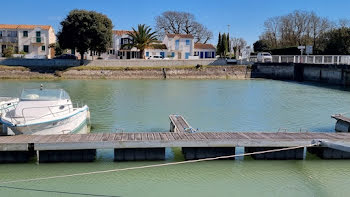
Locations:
(32, 40)
(157, 49)
(173, 46)
(204, 51)
(180, 46)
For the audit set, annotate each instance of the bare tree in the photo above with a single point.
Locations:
(318, 27)
(272, 27)
(296, 28)
(238, 44)
(344, 23)
(182, 23)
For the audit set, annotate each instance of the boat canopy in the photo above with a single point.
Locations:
(44, 95)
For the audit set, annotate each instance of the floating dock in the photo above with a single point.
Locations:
(343, 123)
(151, 145)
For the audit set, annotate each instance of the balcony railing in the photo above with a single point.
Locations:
(7, 39)
(37, 40)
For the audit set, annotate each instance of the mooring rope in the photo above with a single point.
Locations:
(159, 165)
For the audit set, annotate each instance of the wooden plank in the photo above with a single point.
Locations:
(138, 137)
(117, 136)
(156, 136)
(150, 136)
(144, 136)
(157, 139)
(170, 136)
(125, 137)
(163, 136)
(105, 137)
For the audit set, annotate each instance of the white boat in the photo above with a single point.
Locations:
(45, 112)
(7, 103)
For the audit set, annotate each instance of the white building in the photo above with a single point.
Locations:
(157, 49)
(121, 50)
(33, 40)
(180, 46)
(204, 51)
(173, 46)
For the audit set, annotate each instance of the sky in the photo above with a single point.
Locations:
(245, 17)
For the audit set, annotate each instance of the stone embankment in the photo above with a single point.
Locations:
(94, 72)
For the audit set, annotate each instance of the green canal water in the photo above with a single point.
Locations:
(209, 105)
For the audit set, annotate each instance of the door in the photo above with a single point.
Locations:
(162, 54)
(201, 55)
(187, 55)
(179, 56)
(3, 47)
(128, 55)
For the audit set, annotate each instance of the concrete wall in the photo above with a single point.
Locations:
(39, 62)
(332, 74)
(273, 71)
(152, 63)
(109, 63)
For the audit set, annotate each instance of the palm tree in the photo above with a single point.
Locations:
(142, 38)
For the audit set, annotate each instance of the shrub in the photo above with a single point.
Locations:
(8, 52)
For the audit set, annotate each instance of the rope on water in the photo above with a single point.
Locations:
(160, 165)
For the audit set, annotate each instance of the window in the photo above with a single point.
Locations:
(177, 44)
(25, 33)
(187, 42)
(26, 48)
(38, 34)
(0, 34)
(12, 33)
(173, 54)
(43, 48)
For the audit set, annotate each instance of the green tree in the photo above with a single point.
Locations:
(218, 46)
(224, 45)
(86, 30)
(228, 43)
(260, 46)
(142, 38)
(8, 52)
(337, 42)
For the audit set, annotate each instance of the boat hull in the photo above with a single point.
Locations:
(73, 124)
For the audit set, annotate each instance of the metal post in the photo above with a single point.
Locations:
(314, 60)
(322, 59)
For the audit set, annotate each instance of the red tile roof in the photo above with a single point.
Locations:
(121, 32)
(203, 46)
(157, 46)
(180, 36)
(11, 26)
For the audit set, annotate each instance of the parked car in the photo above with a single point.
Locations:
(67, 56)
(264, 57)
(231, 61)
(157, 57)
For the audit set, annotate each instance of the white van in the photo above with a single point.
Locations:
(264, 57)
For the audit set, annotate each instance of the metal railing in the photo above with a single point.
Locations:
(8, 39)
(39, 40)
(71, 108)
(309, 59)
